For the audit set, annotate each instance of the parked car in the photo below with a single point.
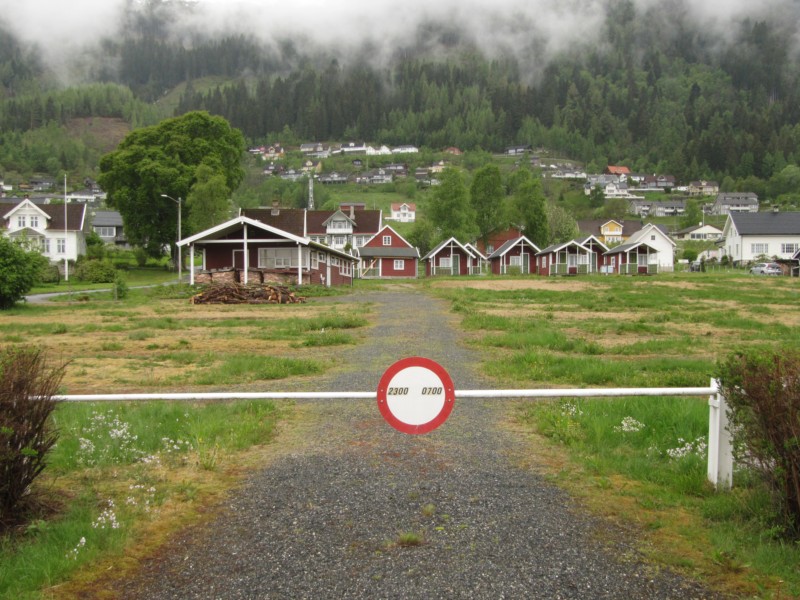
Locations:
(766, 269)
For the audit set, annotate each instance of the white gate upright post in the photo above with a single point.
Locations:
(720, 446)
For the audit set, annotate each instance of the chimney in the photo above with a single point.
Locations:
(352, 211)
(275, 210)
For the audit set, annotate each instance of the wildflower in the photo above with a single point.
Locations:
(629, 425)
(684, 449)
(73, 554)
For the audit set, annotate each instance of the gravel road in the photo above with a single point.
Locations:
(324, 519)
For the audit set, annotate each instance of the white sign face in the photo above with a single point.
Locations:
(415, 395)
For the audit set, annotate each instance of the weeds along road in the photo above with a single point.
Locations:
(352, 508)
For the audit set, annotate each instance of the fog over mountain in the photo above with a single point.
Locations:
(68, 33)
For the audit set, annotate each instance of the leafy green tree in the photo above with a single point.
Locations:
(422, 236)
(450, 210)
(208, 202)
(19, 270)
(486, 196)
(530, 211)
(164, 160)
(562, 227)
(597, 197)
(693, 214)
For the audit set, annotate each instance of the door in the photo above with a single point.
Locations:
(456, 262)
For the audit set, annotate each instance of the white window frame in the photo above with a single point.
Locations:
(387, 240)
(105, 231)
(789, 248)
(515, 261)
(61, 245)
(760, 248)
(34, 221)
(446, 262)
(21, 221)
(399, 264)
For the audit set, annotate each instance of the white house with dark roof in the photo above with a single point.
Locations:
(749, 236)
(657, 238)
(57, 230)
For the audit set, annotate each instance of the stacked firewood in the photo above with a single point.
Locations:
(238, 293)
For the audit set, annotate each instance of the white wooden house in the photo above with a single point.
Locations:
(657, 238)
(59, 231)
(750, 236)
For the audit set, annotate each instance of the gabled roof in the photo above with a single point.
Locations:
(766, 223)
(228, 227)
(107, 218)
(651, 227)
(591, 238)
(508, 245)
(476, 252)
(448, 242)
(556, 247)
(381, 234)
(301, 221)
(623, 248)
(75, 214)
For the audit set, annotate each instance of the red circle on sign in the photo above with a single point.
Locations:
(418, 383)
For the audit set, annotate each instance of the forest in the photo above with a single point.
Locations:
(679, 101)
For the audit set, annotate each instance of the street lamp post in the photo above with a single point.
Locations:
(180, 261)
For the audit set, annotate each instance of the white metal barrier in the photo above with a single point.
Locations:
(720, 447)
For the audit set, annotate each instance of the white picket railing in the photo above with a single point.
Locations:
(720, 447)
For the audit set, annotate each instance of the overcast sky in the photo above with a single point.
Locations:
(61, 27)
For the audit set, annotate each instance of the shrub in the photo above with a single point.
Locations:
(140, 256)
(49, 273)
(95, 271)
(27, 389)
(763, 391)
(120, 287)
(19, 271)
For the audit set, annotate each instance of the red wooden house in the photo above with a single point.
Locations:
(567, 258)
(514, 256)
(637, 258)
(387, 255)
(451, 257)
(249, 251)
(597, 258)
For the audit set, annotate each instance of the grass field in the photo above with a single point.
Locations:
(124, 476)
(642, 460)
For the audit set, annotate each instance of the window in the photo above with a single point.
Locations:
(789, 248)
(653, 238)
(515, 261)
(20, 221)
(280, 258)
(757, 249)
(339, 240)
(314, 260)
(446, 262)
(34, 221)
(46, 245)
(387, 240)
(61, 246)
(399, 264)
(106, 232)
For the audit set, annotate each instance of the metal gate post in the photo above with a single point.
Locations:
(720, 444)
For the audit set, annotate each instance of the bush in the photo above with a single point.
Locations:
(19, 271)
(95, 271)
(27, 388)
(763, 392)
(49, 273)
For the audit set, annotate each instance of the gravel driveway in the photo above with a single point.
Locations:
(325, 518)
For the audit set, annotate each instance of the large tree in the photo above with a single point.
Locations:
(486, 196)
(163, 160)
(450, 210)
(19, 270)
(530, 212)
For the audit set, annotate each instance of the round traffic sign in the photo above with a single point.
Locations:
(416, 395)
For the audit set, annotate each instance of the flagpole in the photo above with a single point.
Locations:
(66, 260)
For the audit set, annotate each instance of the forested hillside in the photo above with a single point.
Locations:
(656, 91)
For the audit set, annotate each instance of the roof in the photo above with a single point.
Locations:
(510, 244)
(739, 197)
(75, 214)
(447, 242)
(621, 249)
(618, 170)
(557, 247)
(107, 218)
(300, 221)
(592, 226)
(766, 223)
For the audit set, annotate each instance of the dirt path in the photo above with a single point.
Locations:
(327, 518)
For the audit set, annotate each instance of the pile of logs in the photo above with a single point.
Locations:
(237, 293)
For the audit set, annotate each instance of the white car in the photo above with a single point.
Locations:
(766, 269)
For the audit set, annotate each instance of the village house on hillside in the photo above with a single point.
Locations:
(609, 231)
(733, 202)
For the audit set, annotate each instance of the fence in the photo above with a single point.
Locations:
(720, 447)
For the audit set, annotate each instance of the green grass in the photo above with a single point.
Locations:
(123, 459)
(246, 368)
